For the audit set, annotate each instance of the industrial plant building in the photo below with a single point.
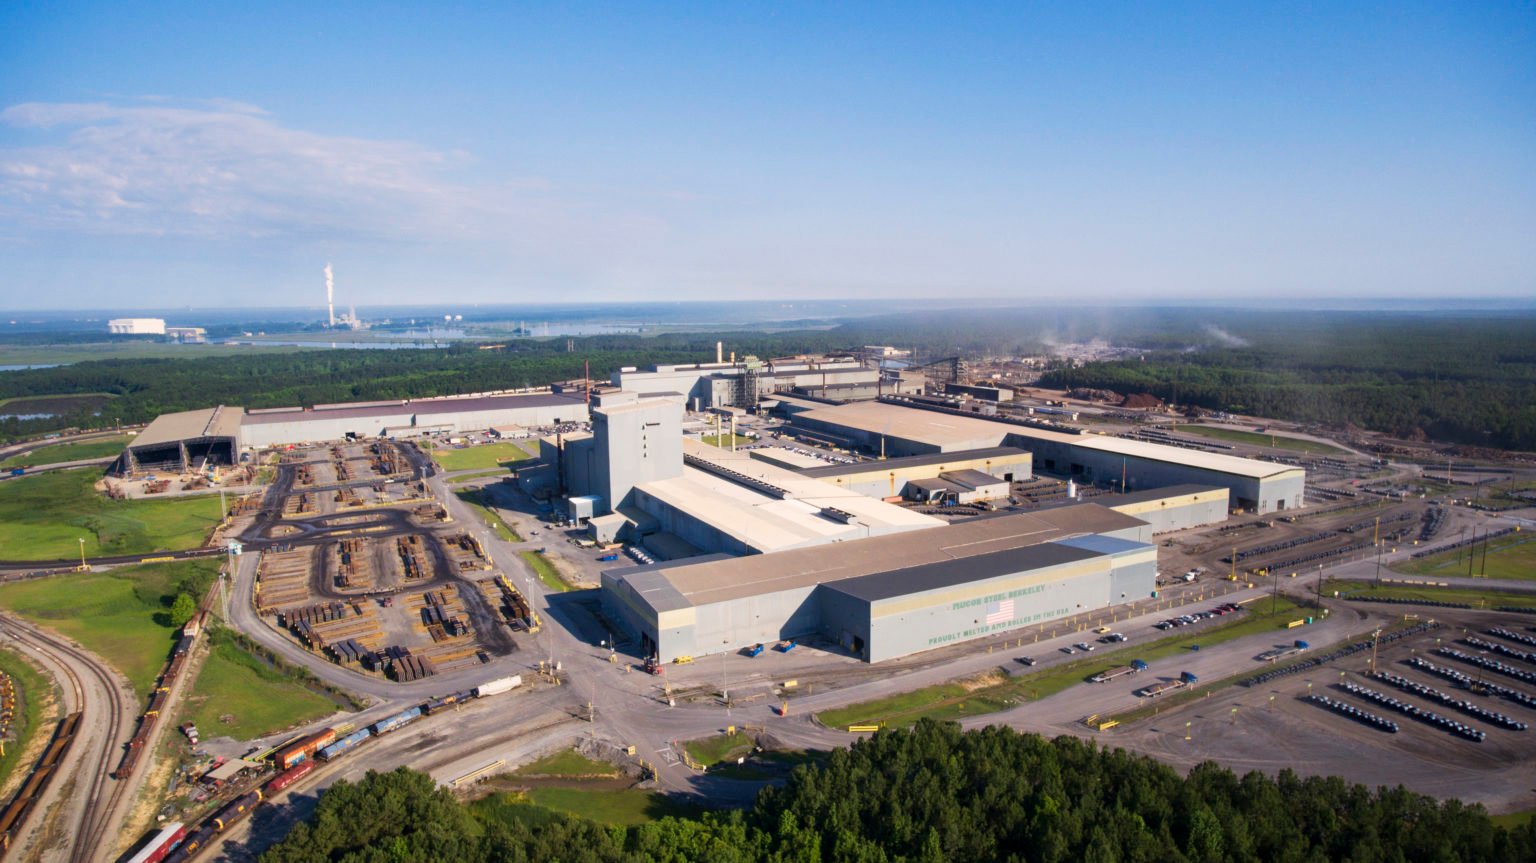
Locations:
(890, 477)
(898, 428)
(890, 596)
(636, 478)
(137, 326)
(743, 383)
(182, 440)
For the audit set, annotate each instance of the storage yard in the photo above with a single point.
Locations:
(391, 588)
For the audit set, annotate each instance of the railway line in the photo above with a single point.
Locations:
(91, 691)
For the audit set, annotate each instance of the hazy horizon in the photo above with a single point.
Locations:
(186, 155)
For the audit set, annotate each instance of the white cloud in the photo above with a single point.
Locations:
(227, 170)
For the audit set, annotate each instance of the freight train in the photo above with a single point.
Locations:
(298, 758)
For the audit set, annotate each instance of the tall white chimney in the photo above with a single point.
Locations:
(719, 352)
(330, 290)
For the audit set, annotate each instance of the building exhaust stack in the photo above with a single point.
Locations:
(330, 305)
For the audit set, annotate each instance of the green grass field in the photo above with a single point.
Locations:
(620, 807)
(62, 452)
(724, 440)
(546, 570)
(471, 496)
(121, 616)
(625, 807)
(1257, 439)
(1475, 598)
(1512, 820)
(1512, 556)
(44, 517)
(709, 751)
(479, 474)
(959, 700)
(487, 455)
(568, 762)
(32, 689)
(254, 697)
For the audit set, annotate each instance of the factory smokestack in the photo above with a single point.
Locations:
(719, 352)
(330, 290)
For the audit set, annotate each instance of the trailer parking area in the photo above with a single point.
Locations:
(1455, 736)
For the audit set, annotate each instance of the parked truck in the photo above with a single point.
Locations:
(1283, 652)
(1136, 667)
(1166, 686)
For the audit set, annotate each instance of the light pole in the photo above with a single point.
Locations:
(82, 554)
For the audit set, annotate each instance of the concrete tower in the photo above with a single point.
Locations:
(330, 305)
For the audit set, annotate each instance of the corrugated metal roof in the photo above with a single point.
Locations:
(994, 452)
(949, 573)
(702, 583)
(423, 408)
(167, 429)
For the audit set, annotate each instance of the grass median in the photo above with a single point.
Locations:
(44, 517)
(1294, 444)
(63, 452)
(1507, 557)
(483, 456)
(620, 807)
(546, 570)
(568, 763)
(709, 751)
(997, 691)
(474, 497)
(1468, 596)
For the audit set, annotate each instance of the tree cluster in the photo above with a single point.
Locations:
(935, 794)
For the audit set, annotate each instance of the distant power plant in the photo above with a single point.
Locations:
(330, 305)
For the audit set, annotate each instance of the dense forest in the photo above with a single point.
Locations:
(934, 794)
(1469, 381)
(1464, 378)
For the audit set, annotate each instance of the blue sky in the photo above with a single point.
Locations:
(177, 154)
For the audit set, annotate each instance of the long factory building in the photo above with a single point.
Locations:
(885, 597)
(185, 439)
(895, 427)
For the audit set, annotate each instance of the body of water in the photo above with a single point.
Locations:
(23, 368)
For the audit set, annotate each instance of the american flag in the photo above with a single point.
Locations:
(999, 612)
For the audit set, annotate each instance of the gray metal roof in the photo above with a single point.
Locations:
(971, 478)
(913, 461)
(705, 582)
(949, 573)
(1159, 493)
(421, 408)
(167, 429)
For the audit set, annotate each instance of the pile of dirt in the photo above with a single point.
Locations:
(1141, 400)
(1088, 395)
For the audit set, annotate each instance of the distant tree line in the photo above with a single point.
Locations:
(1466, 378)
(935, 795)
(1470, 381)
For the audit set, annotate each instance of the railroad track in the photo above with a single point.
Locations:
(102, 795)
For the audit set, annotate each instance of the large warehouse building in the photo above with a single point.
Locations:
(184, 441)
(407, 418)
(891, 596)
(180, 440)
(893, 427)
(742, 383)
